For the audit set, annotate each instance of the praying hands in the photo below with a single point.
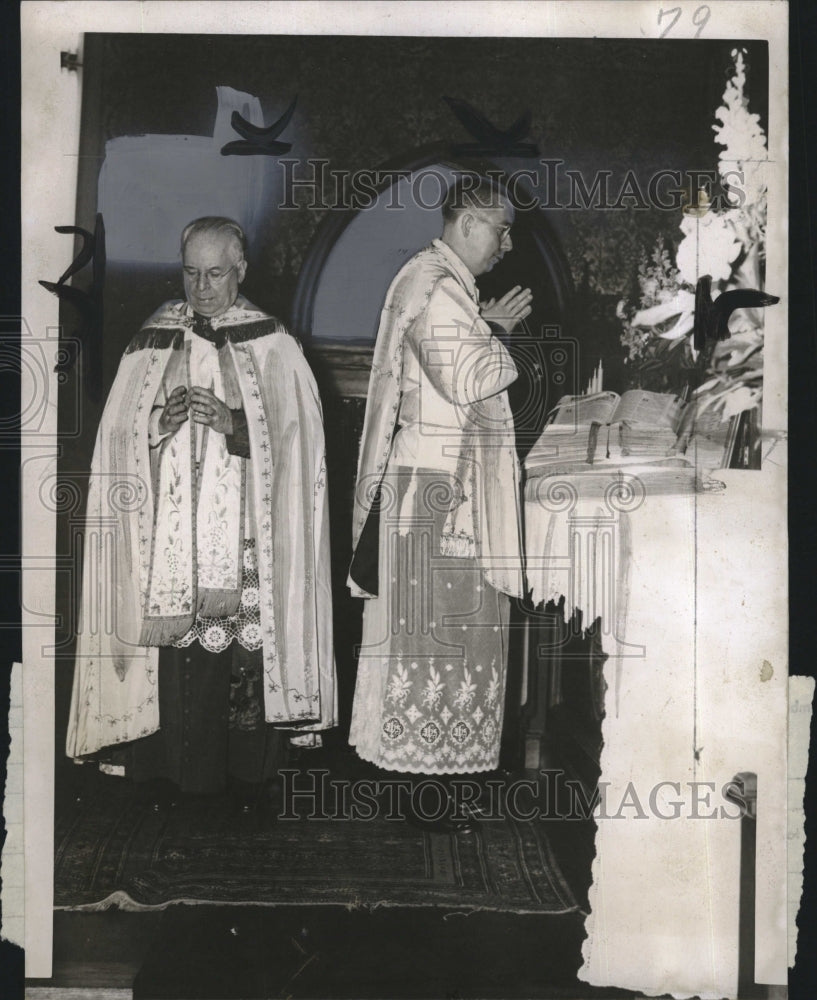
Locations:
(203, 404)
(508, 311)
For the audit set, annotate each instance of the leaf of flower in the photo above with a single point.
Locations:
(685, 323)
(739, 400)
(683, 302)
(708, 385)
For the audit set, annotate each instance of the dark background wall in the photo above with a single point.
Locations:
(363, 102)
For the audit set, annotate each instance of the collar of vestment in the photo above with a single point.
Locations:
(241, 322)
(459, 268)
(203, 327)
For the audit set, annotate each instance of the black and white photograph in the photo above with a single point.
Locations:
(403, 492)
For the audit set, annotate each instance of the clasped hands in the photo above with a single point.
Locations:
(204, 406)
(508, 311)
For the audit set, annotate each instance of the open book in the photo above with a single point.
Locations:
(606, 427)
(637, 406)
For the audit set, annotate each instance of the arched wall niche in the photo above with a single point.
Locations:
(357, 251)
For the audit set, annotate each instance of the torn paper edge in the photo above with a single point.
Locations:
(12, 868)
(801, 697)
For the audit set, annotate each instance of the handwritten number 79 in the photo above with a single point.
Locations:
(699, 18)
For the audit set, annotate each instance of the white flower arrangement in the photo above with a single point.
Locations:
(729, 245)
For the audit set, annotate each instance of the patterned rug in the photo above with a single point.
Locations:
(113, 849)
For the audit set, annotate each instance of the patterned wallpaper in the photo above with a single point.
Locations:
(613, 105)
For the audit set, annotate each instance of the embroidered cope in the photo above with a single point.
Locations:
(169, 519)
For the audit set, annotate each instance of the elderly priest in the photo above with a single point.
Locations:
(206, 619)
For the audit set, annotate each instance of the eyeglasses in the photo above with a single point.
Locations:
(503, 231)
(214, 275)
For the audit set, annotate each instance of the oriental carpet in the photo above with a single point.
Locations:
(113, 849)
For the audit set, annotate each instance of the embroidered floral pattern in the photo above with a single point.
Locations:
(465, 694)
(263, 462)
(399, 686)
(492, 693)
(216, 634)
(171, 591)
(431, 675)
(433, 690)
(218, 557)
(422, 727)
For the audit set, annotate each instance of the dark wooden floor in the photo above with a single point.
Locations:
(206, 952)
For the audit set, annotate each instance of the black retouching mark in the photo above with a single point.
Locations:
(87, 337)
(711, 322)
(258, 141)
(492, 141)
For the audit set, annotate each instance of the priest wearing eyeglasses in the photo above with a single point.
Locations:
(205, 633)
(437, 543)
